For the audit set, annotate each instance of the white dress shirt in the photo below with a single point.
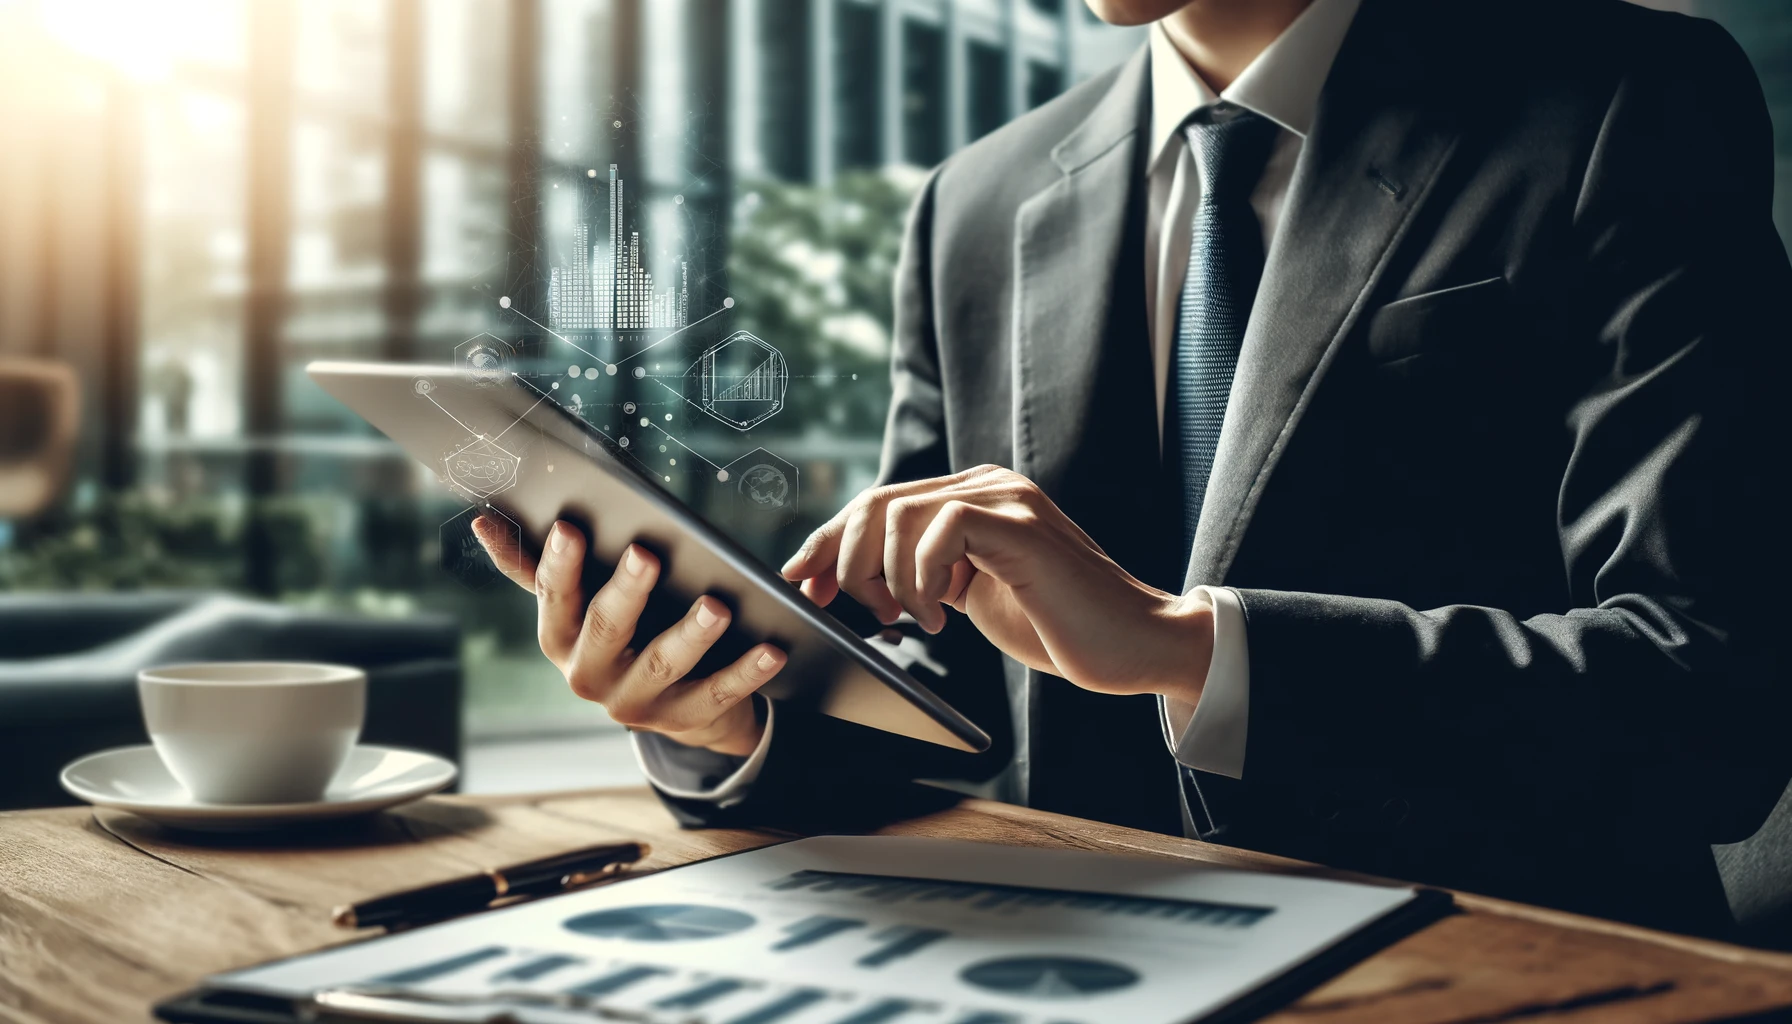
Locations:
(1283, 85)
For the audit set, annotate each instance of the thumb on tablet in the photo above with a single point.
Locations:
(506, 552)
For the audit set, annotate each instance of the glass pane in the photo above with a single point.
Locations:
(923, 93)
(339, 56)
(987, 90)
(193, 274)
(858, 84)
(465, 65)
(1044, 82)
(784, 87)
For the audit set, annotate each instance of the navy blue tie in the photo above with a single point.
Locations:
(1225, 262)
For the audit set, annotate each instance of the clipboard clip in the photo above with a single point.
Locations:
(352, 1005)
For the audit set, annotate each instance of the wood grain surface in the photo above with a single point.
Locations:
(102, 913)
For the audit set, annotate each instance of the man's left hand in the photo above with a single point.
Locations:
(989, 543)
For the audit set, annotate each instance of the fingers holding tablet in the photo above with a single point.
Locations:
(665, 660)
(560, 597)
(715, 711)
(649, 688)
(606, 625)
(509, 558)
(655, 691)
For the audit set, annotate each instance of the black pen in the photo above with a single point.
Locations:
(475, 892)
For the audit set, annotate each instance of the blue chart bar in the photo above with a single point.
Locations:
(978, 896)
(424, 972)
(616, 981)
(878, 1012)
(904, 939)
(709, 991)
(782, 1007)
(811, 930)
(531, 969)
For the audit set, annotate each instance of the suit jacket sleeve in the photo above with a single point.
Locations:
(1654, 694)
(819, 768)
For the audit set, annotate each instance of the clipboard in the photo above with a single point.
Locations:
(798, 895)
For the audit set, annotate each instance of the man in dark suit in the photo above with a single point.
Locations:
(1353, 424)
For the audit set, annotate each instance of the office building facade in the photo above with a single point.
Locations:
(823, 86)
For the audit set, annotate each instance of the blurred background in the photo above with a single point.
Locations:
(198, 197)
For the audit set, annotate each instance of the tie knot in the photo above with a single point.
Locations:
(1233, 145)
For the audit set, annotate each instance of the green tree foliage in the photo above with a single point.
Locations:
(131, 541)
(812, 267)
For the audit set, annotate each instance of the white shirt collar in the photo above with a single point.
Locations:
(1282, 84)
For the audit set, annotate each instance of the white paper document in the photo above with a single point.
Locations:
(866, 930)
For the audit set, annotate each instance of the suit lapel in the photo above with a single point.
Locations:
(1369, 162)
(1085, 430)
(1084, 418)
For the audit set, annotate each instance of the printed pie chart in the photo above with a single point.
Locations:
(1049, 977)
(661, 922)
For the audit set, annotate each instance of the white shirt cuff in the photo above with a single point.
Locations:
(1210, 736)
(693, 773)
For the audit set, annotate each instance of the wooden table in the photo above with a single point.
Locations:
(102, 914)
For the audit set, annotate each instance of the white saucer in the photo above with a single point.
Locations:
(134, 779)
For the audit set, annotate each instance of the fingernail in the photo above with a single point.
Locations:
(557, 537)
(633, 562)
(765, 662)
(706, 617)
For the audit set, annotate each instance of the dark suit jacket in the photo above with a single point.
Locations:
(1499, 482)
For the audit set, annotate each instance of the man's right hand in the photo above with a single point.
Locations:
(588, 640)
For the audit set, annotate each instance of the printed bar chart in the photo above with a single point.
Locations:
(707, 992)
(811, 930)
(852, 930)
(532, 969)
(879, 1012)
(888, 889)
(436, 969)
(782, 1008)
(614, 982)
(903, 940)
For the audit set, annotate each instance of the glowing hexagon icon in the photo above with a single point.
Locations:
(740, 381)
(764, 487)
(465, 558)
(480, 468)
(486, 357)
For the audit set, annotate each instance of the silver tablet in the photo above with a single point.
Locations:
(504, 444)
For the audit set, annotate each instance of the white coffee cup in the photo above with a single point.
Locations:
(253, 732)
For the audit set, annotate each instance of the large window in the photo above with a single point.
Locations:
(785, 76)
(923, 93)
(200, 197)
(986, 93)
(858, 77)
(1044, 82)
